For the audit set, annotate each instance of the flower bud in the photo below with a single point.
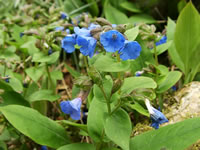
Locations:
(103, 22)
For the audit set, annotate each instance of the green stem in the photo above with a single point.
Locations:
(119, 73)
(49, 76)
(99, 145)
(117, 107)
(76, 61)
(5, 68)
(85, 61)
(107, 100)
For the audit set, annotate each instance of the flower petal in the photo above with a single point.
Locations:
(68, 43)
(82, 31)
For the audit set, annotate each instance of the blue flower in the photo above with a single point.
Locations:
(93, 26)
(21, 34)
(59, 28)
(157, 117)
(63, 15)
(82, 31)
(112, 40)
(174, 88)
(162, 41)
(7, 79)
(50, 51)
(44, 148)
(139, 73)
(88, 45)
(131, 50)
(72, 108)
(68, 31)
(68, 43)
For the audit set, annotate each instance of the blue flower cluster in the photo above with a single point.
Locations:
(112, 41)
(72, 108)
(157, 117)
(82, 38)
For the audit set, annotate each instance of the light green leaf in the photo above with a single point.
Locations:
(132, 33)
(187, 40)
(39, 128)
(133, 83)
(16, 84)
(41, 57)
(112, 14)
(107, 64)
(118, 128)
(163, 47)
(96, 119)
(130, 6)
(177, 136)
(46, 95)
(170, 79)
(136, 106)
(171, 26)
(35, 72)
(77, 146)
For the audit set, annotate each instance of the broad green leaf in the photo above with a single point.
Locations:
(118, 128)
(130, 6)
(112, 14)
(78, 146)
(141, 18)
(94, 8)
(39, 128)
(13, 98)
(9, 54)
(162, 48)
(171, 26)
(96, 119)
(35, 72)
(132, 33)
(40, 95)
(170, 79)
(41, 57)
(108, 64)
(133, 83)
(177, 136)
(71, 5)
(110, 149)
(16, 84)
(5, 135)
(3, 145)
(187, 40)
(5, 86)
(30, 46)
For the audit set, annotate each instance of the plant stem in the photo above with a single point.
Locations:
(76, 61)
(107, 100)
(85, 61)
(49, 76)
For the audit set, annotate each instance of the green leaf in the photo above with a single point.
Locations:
(130, 6)
(112, 14)
(35, 72)
(177, 136)
(16, 84)
(163, 47)
(107, 64)
(14, 98)
(136, 106)
(132, 33)
(39, 128)
(133, 83)
(141, 18)
(170, 79)
(187, 40)
(46, 95)
(30, 46)
(41, 57)
(96, 119)
(5, 86)
(171, 26)
(77, 146)
(94, 8)
(73, 72)
(118, 128)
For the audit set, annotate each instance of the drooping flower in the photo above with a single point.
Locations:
(157, 117)
(82, 31)
(59, 28)
(162, 41)
(112, 40)
(63, 15)
(88, 45)
(50, 51)
(174, 88)
(68, 43)
(93, 26)
(72, 108)
(21, 34)
(7, 79)
(131, 50)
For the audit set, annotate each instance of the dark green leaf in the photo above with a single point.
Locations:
(77, 146)
(130, 6)
(141, 18)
